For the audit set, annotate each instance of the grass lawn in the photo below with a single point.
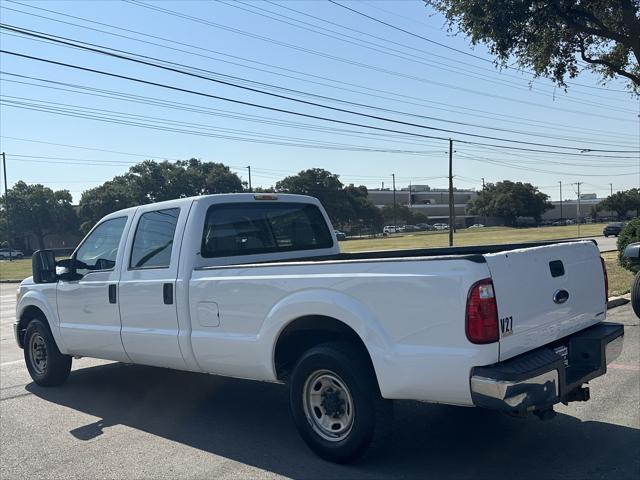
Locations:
(15, 270)
(470, 236)
(619, 278)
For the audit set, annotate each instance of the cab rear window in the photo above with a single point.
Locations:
(254, 228)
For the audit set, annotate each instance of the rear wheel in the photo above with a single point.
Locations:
(46, 365)
(635, 295)
(336, 404)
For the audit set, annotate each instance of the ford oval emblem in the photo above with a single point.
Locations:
(560, 296)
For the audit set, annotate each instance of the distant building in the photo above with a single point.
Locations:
(433, 202)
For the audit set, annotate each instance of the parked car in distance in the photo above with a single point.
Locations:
(613, 228)
(477, 225)
(4, 253)
(411, 228)
(425, 226)
(254, 286)
(441, 226)
(389, 229)
(340, 235)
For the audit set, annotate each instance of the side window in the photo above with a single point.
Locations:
(100, 249)
(153, 240)
(252, 228)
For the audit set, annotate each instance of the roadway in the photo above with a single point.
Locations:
(606, 244)
(118, 421)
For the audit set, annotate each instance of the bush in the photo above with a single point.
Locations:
(630, 234)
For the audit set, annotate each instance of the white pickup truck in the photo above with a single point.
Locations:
(254, 286)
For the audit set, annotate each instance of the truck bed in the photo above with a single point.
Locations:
(473, 253)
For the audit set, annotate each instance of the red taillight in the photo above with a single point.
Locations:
(482, 313)
(606, 280)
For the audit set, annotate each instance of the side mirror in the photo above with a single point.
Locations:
(43, 265)
(632, 252)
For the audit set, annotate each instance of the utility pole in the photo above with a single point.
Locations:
(249, 168)
(611, 187)
(561, 215)
(6, 205)
(484, 216)
(578, 212)
(410, 204)
(395, 213)
(451, 203)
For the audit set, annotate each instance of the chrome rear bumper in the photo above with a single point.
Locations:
(538, 379)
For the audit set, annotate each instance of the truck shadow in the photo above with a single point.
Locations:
(249, 422)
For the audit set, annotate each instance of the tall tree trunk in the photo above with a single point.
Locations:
(40, 240)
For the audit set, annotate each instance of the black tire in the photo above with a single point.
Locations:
(47, 366)
(635, 295)
(371, 414)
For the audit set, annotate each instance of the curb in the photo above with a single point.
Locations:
(618, 301)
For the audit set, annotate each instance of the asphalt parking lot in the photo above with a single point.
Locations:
(118, 421)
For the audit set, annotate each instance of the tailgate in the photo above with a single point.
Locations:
(546, 293)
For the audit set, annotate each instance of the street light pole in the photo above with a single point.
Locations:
(395, 212)
(578, 212)
(451, 202)
(561, 215)
(6, 205)
(249, 168)
(484, 212)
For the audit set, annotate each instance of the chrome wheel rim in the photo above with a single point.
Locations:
(328, 405)
(38, 353)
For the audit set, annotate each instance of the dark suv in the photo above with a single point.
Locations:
(613, 229)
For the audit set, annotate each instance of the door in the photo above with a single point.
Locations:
(87, 307)
(147, 289)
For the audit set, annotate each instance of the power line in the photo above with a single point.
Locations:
(413, 100)
(87, 148)
(538, 170)
(412, 57)
(448, 47)
(262, 172)
(97, 92)
(317, 117)
(99, 49)
(347, 61)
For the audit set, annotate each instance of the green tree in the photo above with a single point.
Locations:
(152, 181)
(365, 214)
(39, 211)
(630, 234)
(551, 37)
(346, 206)
(109, 197)
(402, 214)
(509, 200)
(622, 202)
(323, 185)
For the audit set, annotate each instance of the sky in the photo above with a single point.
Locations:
(228, 65)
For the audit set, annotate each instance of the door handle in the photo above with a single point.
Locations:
(112, 293)
(167, 293)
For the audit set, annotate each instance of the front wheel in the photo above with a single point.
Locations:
(47, 366)
(336, 404)
(635, 295)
